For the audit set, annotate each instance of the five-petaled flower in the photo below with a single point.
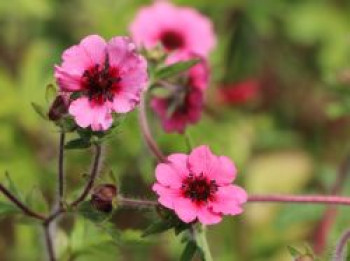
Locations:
(102, 78)
(177, 28)
(198, 187)
(184, 103)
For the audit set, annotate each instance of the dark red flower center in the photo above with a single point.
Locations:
(198, 188)
(101, 83)
(172, 40)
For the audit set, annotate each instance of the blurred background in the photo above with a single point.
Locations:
(278, 105)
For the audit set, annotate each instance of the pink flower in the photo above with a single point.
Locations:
(239, 93)
(198, 186)
(184, 104)
(105, 78)
(177, 28)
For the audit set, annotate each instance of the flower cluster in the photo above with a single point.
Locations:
(185, 34)
(98, 79)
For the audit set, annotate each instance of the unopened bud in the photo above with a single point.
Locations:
(103, 196)
(58, 108)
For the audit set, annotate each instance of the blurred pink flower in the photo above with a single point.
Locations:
(106, 78)
(184, 104)
(198, 186)
(177, 28)
(239, 93)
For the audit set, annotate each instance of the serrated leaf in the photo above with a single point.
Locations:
(175, 69)
(39, 110)
(78, 143)
(157, 227)
(189, 251)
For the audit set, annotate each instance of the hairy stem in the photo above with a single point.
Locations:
(152, 145)
(61, 170)
(137, 202)
(92, 178)
(339, 254)
(26, 210)
(308, 199)
(49, 244)
(202, 242)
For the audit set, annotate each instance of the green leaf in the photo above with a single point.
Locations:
(78, 143)
(175, 69)
(39, 110)
(86, 210)
(8, 209)
(50, 93)
(189, 251)
(157, 227)
(294, 252)
(12, 187)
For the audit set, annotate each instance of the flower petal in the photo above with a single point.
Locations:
(86, 114)
(167, 175)
(166, 195)
(67, 81)
(207, 217)
(201, 160)
(229, 199)
(185, 209)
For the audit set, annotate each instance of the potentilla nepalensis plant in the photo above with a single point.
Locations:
(100, 80)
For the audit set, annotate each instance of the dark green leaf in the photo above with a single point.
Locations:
(157, 227)
(39, 110)
(8, 209)
(175, 69)
(189, 251)
(111, 230)
(77, 144)
(87, 211)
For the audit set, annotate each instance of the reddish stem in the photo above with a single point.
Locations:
(92, 178)
(147, 133)
(311, 199)
(340, 249)
(328, 219)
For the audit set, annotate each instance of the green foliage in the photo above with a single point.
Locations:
(189, 251)
(174, 69)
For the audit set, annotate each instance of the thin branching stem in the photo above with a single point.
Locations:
(151, 143)
(339, 254)
(26, 210)
(61, 169)
(49, 243)
(93, 174)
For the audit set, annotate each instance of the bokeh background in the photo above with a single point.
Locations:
(278, 105)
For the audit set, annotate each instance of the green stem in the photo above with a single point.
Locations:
(202, 242)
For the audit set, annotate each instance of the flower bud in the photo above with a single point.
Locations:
(103, 196)
(58, 108)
